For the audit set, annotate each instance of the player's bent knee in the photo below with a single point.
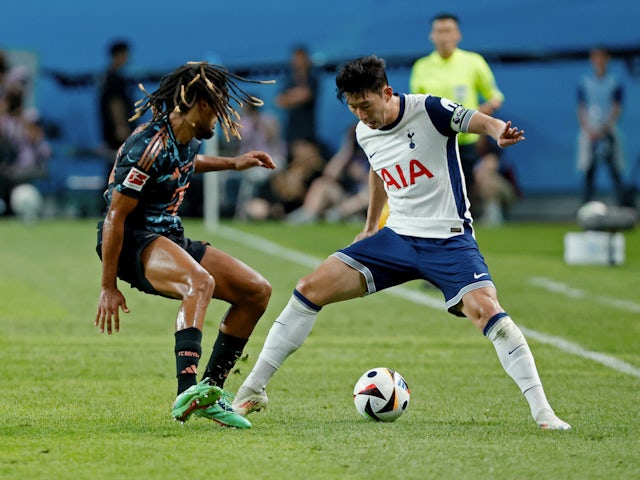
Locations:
(480, 314)
(254, 293)
(311, 290)
(305, 286)
(262, 292)
(202, 284)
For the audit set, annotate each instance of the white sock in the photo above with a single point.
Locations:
(517, 360)
(287, 334)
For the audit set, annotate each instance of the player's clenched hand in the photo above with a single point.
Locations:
(109, 305)
(510, 135)
(254, 159)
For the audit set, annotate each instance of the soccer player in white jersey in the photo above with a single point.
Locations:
(410, 141)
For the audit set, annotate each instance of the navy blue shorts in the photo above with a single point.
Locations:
(135, 241)
(454, 265)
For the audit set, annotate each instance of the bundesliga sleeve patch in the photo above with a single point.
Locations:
(136, 179)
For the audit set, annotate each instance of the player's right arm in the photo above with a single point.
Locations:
(377, 201)
(111, 299)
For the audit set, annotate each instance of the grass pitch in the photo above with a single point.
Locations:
(78, 404)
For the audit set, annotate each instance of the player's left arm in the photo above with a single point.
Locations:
(210, 163)
(450, 117)
(502, 132)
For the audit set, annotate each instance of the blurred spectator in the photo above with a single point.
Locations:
(495, 182)
(4, 72)
(459, 75)
(116, 106)
(286, 189)
(600, 96)
(34, 151)
(24, 150)
(298, 98)
(260, 131)
(342, 192)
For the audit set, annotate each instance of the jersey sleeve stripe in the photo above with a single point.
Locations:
(153, 150)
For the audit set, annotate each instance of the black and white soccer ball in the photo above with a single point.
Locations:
(381, 394)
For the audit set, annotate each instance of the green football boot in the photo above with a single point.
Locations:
(222, 413)
(195, 398)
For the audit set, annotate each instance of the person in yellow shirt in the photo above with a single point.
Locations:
(459, 75)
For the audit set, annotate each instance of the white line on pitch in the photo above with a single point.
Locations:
(415, 296)
(564, 289)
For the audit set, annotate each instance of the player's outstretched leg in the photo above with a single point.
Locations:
(517, 360)
(197, 397)
(286, 335)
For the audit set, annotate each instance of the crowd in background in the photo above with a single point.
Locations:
(24, 149)
(312, 183)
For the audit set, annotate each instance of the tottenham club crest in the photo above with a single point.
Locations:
(410, 134)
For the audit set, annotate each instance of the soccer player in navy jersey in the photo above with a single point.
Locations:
(411, 144)
(142, 242)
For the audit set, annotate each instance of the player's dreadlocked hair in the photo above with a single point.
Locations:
(182, 88)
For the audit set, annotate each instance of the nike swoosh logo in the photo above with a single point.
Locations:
(478, 275)
(521, 345)
(371, 156)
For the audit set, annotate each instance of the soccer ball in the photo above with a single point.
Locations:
(26, 202)
(591, 212)
(381, 394)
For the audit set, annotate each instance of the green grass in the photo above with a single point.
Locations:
(77, 404)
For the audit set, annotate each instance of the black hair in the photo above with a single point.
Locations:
(364, 74)
(445, 16)
(117, 47)
(184, 87)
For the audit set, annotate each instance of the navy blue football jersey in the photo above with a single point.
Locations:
(154, 168)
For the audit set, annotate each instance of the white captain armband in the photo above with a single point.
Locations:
(461, 118)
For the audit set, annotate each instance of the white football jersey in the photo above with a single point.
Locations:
(417, 158)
